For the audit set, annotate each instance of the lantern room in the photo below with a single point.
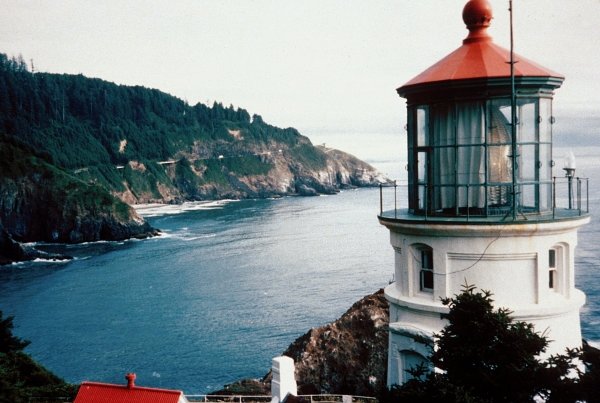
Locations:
(461, 135)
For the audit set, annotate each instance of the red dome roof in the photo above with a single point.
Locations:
(478, 57)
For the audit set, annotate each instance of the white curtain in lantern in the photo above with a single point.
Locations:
(444, 156)
(470, 133)
(463, 172)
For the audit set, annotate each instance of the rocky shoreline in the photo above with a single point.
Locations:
(40, 202)
(12, 251)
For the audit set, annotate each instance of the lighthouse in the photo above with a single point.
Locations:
(487, 203)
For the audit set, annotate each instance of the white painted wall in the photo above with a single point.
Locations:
(510, 260)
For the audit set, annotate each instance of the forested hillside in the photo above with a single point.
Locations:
(144, 145)
(40, 202)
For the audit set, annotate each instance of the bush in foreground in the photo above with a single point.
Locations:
(482, 355)
(21, 378)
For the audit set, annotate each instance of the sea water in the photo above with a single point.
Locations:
(227, 287)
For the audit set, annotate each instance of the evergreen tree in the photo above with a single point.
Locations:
(8, 342)
(20, 376)
(482, 355)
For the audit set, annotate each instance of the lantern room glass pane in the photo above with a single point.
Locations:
(526, 123)
(545, 196)
(528, 197)
(527, 163)
(422, 167)
(442, 118)
(499, 131)
(422, 197)
(499, 164)
(545, 120)
(545, 159)
(471, 165)
(499, 196)
(422, 127)
(470, 123)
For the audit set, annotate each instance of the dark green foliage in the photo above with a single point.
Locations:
(22, 378)
(90, 126)
(185, 176)
(247, 165)
(214, 171)
(431, 389)
(105, 175)
(310, 157)
(485, 350)
(57, 187)
(81, 121)
(144, 178)
(8, 342)
(590, 378)
(484, 356)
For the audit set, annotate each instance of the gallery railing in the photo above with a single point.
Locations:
(562, 197)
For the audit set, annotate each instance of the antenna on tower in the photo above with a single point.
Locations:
(513, 114)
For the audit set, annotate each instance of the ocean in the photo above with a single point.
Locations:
(228, 286)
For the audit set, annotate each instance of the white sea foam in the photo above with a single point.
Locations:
(193, 238)
(41, 260)
(154, 209)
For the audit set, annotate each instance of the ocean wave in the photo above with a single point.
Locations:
(41, 260)
(90, 243)
(193, 238)
(155, 210)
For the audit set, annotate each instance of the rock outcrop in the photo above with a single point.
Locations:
(39, 202)
(284, 174)
(347, 356)
(12, 251)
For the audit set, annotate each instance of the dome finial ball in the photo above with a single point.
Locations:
(477, 14)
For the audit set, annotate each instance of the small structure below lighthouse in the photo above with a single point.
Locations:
(482, 198)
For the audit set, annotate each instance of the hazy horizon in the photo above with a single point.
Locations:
(317, 66)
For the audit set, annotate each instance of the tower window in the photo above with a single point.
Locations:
(552, 268)
(426, 272)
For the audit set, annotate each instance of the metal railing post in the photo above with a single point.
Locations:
(579, 195)
(468, 202)
(553, 197)
(426, 200)
(381, 199)
(395, 199)
(587, 195)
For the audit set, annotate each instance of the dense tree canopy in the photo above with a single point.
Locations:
(82, 121)
(93, 128)
(482, 355)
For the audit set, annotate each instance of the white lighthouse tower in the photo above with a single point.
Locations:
(485, 206)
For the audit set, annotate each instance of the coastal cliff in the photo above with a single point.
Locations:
(259, 174)
(146, 146)
(40, 202)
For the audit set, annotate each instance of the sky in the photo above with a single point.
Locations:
(322, 66)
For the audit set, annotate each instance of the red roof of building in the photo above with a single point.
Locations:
(95, 392)
(478, 57)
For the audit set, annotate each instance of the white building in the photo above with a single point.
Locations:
(483, 198)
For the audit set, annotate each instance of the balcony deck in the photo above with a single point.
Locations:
(558, 214)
